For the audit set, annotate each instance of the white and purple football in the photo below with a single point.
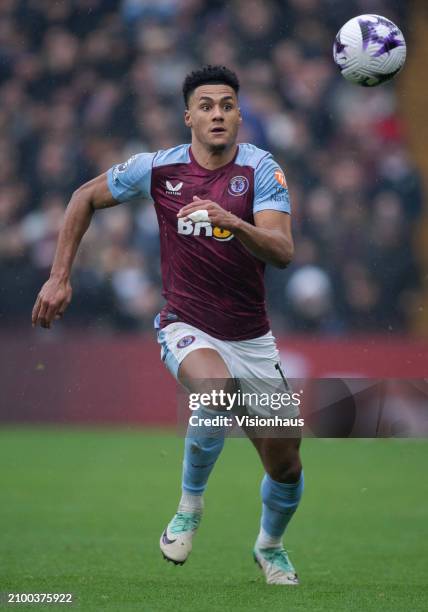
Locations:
(369, 50)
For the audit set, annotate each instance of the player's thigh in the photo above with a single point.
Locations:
(257, 358)
(197, 360)
(203, 370)
(265, 389)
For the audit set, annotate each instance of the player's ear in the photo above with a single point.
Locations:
(240, 115)
(187, 118)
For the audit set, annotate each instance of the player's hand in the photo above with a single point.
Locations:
(218, 216)
(53, 299)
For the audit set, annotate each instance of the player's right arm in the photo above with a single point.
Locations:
(55, 295)
(123, 182)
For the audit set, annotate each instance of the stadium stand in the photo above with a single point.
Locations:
(87, 83)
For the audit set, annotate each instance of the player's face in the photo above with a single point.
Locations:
(214, 116)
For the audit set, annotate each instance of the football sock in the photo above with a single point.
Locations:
(191, 503)
(202, 446)
(280, 501)
(264, 540)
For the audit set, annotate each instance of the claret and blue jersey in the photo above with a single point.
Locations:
(210, 280)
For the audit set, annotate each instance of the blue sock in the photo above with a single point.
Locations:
(280, 501)
(202, 447)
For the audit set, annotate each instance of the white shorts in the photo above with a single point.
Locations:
(255, 363)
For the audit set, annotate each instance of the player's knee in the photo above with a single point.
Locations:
(287, 470)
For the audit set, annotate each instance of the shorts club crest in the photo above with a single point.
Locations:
(185, 341)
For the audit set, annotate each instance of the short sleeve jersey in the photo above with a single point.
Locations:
(210, 280)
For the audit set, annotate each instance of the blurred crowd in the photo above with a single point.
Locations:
(85, 84)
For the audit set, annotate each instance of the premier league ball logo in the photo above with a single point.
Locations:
(122, 167)
(238, 185)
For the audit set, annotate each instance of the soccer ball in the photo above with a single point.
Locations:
(369, 50)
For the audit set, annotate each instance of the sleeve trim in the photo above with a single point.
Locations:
(270, 206)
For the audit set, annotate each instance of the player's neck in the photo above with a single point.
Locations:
(211, 160)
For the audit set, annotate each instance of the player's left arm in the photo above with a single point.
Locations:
(270, 237)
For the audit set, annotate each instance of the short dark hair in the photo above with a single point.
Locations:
(215, 75)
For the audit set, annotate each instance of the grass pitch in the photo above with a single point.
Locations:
(82, 512)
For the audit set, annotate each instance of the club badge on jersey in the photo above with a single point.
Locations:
(238, 186)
